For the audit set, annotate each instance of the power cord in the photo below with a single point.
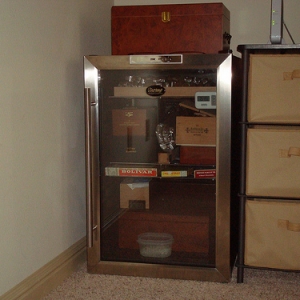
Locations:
(288, 32)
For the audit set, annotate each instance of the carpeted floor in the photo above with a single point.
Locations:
(257, 284)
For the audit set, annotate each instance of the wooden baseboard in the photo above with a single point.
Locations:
(44, 280)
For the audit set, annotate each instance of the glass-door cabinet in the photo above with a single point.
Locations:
(158, 165)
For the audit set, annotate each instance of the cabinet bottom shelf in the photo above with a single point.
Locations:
(194, 238)
(176, 258)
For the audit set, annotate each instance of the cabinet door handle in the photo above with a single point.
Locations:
(89, 200)
(292, 151)
(291, 75)
(286, 224)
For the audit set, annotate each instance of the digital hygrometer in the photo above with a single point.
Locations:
(206, 100)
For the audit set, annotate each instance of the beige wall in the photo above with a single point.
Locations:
(249, 19)
(42, 177)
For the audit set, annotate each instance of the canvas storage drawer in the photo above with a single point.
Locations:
(273, 161)
(274, 88)
(272, 234)
(175, 28)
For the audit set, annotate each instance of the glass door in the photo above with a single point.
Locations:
(159, 163)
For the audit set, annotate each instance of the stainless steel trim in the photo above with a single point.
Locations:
(224, 82)
(89, 200)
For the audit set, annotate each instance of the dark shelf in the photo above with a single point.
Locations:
(266, 47)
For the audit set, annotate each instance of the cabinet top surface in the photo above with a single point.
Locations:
(268, 47)
(175, 9)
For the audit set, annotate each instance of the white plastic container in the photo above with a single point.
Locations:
(154, 244)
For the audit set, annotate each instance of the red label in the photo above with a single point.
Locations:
(205, 173)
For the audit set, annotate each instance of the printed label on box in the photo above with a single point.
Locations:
(173, 173)
(210, 173)
(134, 193)
(129, 122)
(132, 172)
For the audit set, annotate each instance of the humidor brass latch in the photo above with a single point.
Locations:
(165, 16)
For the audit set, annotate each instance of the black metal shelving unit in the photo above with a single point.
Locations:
(247, 51)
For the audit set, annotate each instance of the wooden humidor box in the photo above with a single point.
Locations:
(191, 233)
(198, 155)
(174, 28)
(196, 131)
(188, 215)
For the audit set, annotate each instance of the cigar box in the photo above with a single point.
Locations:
(198, 28)
(196, 131)
(198, 155)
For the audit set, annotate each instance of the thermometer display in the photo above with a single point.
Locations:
(206, 100)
